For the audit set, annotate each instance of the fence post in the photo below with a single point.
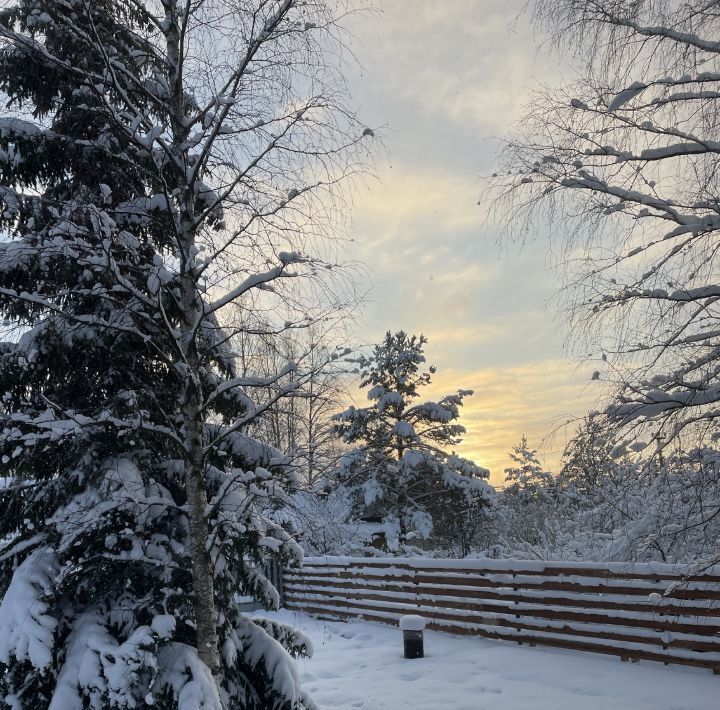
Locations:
(515, 602)
(280, 584)
(416, 585)
(274, 573)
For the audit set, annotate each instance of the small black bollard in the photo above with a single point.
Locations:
(412, 627)
(413, 644)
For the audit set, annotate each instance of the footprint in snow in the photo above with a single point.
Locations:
(483, 689)
(328, 675)
(410, 676)
(590, 692)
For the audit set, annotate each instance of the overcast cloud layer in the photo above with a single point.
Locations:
(446, 80)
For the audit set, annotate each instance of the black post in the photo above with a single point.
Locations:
(412, 627)
(413, 644)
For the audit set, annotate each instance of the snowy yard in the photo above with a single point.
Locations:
(359, 666)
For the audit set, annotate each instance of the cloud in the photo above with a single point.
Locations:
(409, 195)
(424, 225)
(542, 400)
(465, 60)
(437, 269)
(444, 78)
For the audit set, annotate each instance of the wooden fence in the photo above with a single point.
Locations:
(643, 611)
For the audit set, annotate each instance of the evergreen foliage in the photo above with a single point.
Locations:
(135, 505)
(526, 479)
(400, 462)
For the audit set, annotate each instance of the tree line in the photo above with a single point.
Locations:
(172, 378)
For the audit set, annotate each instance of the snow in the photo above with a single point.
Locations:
(262, 650)
(360, 666)
(97, 667)
(626, 95)
(26, 626)
(361, 566)
(12, 127)
(189, 678)
(292, 257)
(404, 430)
(163, 625)
(412, 622)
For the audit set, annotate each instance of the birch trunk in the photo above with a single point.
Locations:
(192, 399)
(202, 566)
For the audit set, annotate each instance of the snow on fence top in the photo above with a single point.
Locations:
(623, 568)
(646, 611)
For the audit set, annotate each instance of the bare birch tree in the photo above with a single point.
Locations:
(169, 162)
(300, 424)
(622, 163)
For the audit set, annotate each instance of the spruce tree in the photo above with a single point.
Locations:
(400, 461)
(529, 505)
(526, 480)
(133, 197)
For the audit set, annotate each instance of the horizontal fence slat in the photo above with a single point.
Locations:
(590, 630)
(647, 621)
(665, 605)
(651, 612)
(498, 582)
(634, 570)
(509, 575)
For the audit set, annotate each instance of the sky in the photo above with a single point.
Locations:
(445, 82)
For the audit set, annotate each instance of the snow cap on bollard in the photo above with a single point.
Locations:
(412, 627)
(412, 622)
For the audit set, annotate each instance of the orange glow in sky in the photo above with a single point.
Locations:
(442, 82)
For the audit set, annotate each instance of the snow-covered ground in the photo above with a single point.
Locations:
(359, 666)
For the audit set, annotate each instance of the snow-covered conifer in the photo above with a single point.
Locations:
(527, 508)
(400, 461)
(152, 155)
(526, 479)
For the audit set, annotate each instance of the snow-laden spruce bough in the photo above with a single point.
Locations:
(399, 461)
(155, 156)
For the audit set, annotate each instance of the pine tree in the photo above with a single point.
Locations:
(400, 461)
(528, 508)
(526, 480)
(134, 197)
